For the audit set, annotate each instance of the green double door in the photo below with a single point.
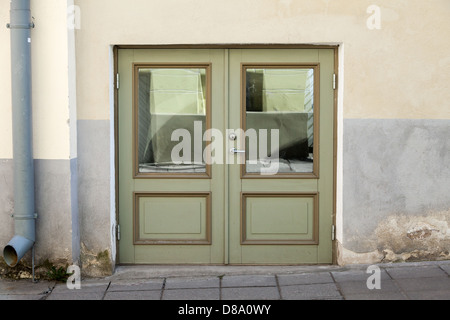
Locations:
(225, 156)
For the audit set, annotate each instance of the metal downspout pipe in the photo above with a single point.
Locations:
(24, 206)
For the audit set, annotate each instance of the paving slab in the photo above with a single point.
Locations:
(310, 291)
(86, 287)
(192, 282)
(76, 295)
(136, 285)
(377, 296)
(429, 295)
(192, 294)
(133, 295)
(25, 287)
(249, 281)
(90, 290)
(305, 278)
(446, 268)
(416, 272)
(360, 287)
(416, 281)
(424, 284)
(357, 275)
(21, 297)
(250, 293)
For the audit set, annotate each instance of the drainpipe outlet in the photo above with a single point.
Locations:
(16, 249)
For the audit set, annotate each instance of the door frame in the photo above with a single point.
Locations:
(114, 118)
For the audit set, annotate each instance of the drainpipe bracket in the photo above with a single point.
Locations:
(20, 26)
(17, 217)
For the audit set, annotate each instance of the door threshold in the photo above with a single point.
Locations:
(146, 271)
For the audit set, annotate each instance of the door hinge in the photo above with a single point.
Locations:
(117, 81)
(334, 81)
(333, 233)
(118, 232)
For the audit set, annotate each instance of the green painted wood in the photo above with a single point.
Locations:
(173, 218)
(126, 184)
(280, 185)
(190, 251)
(226, 186)
(245, 252)
(325, 182)
(286, 219)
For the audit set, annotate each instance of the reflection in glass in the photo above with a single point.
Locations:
(283, 99)
(170, 99)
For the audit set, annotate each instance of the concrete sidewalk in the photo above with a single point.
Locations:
(403, 281)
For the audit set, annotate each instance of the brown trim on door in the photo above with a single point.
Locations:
(116, 50)
(116, 147)
(138, 241)
(335, 151)
(315, 236)
(135, 88)
(228, 46)
(284, 175)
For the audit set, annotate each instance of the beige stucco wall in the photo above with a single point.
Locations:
(50, 81)
(5, 85)
(398, 71)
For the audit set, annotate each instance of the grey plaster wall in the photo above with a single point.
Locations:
(56, 226)
(6, 201)
(94, 195)
(55, 188)
(72, 202)
(396, 185)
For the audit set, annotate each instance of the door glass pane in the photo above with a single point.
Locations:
(171, 117)
(282, 99)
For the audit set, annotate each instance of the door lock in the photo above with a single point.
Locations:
(234, 151)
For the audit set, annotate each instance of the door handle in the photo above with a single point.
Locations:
(234, 151)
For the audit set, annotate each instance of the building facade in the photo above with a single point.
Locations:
(372, 79)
